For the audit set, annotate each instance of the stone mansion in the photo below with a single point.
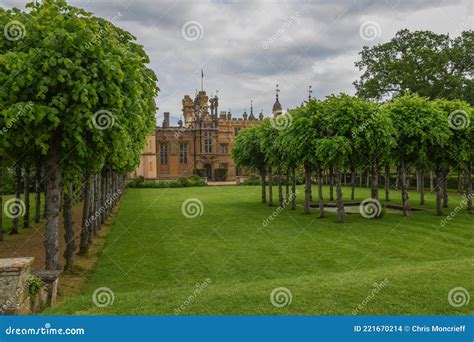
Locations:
(201, 144)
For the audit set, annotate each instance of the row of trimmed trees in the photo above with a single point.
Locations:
(344, 134)
(77, 104)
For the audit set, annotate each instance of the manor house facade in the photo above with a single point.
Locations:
(200, 144)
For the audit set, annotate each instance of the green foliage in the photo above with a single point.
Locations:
(246, 150)
(182, 182)
(68, 67)
(34, 286)
(199, 172)
(432, 65)
(421, 127)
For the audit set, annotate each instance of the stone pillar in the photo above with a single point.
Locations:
(14, 286)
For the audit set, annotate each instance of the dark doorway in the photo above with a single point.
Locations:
(208, 171)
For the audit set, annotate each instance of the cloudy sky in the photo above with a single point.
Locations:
(247, 47)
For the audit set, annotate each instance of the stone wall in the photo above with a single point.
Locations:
(23, 292)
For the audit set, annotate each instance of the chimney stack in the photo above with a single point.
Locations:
(166, 120)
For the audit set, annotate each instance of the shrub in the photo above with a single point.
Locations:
(199, 172)
(179, 183)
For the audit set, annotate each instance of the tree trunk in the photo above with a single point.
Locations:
(404, 186)
(280, 190)
(98, 200)
(431, 181)
(26, 217)
(17, 205)
(353, 180)
(307, 189)
(45, 210)
(439, 190)
(387, 182)
(421, 177)
(91, 210)
(397, 178)
(287, 189)
(54, 183)
(264, 191)
(417, 180)
(445, 190)
(375, 180)
(320, 193)
(84, 242)
(331, 184)
(339, 202)
(68, 229)
(468, 186)
(270, 187)
(38, 191)
(360, 179)
(103, 194)
(459, 181)
(293, 188)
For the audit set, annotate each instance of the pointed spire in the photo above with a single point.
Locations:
(277, 106)
(251, 116)
(202, 79)
(310, 91)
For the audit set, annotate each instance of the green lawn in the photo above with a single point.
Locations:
(154, 258)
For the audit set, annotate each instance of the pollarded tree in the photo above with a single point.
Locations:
(268, 132)
(372, 137)
(299, 139)
(85, 77)
(421, 128)
(460, 150)
(290, 158)
(246, 152)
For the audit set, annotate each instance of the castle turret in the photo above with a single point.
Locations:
(251, 116)
(277, 106)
